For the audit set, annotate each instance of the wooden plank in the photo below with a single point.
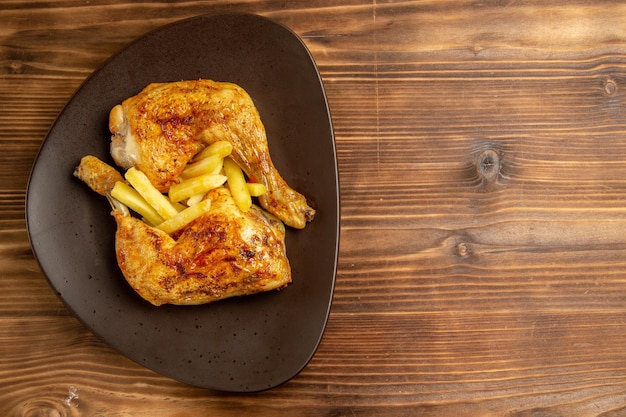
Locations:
(483, 248)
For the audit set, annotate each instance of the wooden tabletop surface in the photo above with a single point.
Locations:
(482, 266)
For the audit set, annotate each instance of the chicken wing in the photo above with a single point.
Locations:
(160, 130)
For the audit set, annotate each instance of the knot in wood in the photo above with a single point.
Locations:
(610, 87)
(463, 249)
(488, 165)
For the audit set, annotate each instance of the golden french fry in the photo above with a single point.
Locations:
(209, 165)
(195, 199)
(158, 201)
(196, 185)
(237, 184)
(256, 189)
(186, 216)
(220, 148)
(209, 161)
(179, 206)
(128, 196)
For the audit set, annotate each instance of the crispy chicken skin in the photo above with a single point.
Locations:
(160, 130)
(223, 253)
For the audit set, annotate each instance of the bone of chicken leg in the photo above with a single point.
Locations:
(98, 175)
(161, 129)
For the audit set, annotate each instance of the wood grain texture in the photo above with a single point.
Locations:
(482, 158)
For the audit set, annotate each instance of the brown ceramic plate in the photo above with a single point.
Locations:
(245, 344)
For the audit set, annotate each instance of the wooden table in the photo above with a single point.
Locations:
(482, 266)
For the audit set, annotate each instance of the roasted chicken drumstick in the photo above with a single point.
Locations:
(224, 253)
(161, 129)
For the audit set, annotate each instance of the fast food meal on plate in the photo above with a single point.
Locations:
(196, 159)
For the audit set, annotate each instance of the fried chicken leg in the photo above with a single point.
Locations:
(221, 254)
(160, 130)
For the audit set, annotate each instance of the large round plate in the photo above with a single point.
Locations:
(244, 344)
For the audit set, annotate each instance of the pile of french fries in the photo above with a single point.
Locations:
(185, 201)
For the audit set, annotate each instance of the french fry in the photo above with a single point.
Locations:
(209, 165)
(179, 206)
(127, 195)
(220, 148)
(237, 184)
(209, 161)
(158, 201)
(196, 185)
(195, 199)
(186, 216)
(256, 189)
